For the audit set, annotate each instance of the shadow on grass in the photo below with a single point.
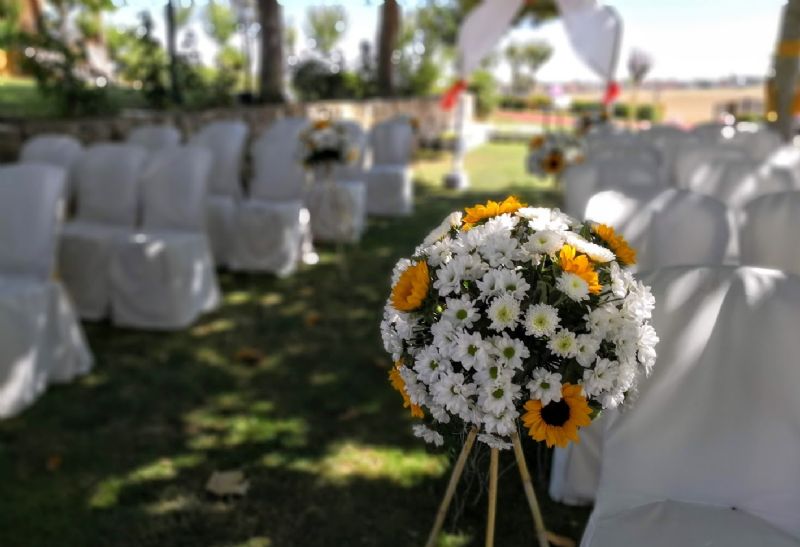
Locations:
(121, 457)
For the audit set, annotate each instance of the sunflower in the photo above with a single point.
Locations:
(553, 163)
(557, 423)
(492, 209)
(536, 142)
(625, 253)
(412, 287)
(399, 384)
(579, 265)
(322, 124)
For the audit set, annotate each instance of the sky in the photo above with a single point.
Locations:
(688, 39)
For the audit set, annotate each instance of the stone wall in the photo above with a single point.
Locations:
(433, 121)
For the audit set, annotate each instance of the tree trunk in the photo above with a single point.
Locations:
(387, 42)
(787, 67)
(177, 96)
(271, 18)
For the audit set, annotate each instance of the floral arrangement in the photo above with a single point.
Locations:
(510, 313)
(589, 121)
(550, 154)
(326, 143)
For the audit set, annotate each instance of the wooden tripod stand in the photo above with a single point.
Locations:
(542, 535)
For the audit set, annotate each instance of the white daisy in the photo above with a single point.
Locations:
(587, 347)
(598, 253)
(493, 442)
(503, 312)
(573, 286)
(429, 365)
(453, 393)
(647, 346)
(445, 336)
(471, 350)
(428, 435)
(399, 268)
(541, 320)
(508, 351)
(497, 398)
(503, 425)
(497, 282)
(453, 220)
(545, 242)
(563, 344)
(448, 278)
(545, 386)
(599, 378)
(500, 250)
(461, 312)
(440, 252)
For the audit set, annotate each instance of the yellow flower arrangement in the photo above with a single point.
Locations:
(557, 422)
(412, 287)
(536, 142)
(553, 163)
(399, 384)
(625, 253)
(580, 265)
(492, 209)
(322, 124)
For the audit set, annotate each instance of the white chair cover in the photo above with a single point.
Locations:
(695, 160)
(272, 228)
(738, 181)
(338, 210)
(390, 187)
(768, 236)
(355, 170)
(709, 131)
(582, 181)
(162, 277)
(107, 181)
(40, 338)
(226, 141)
(58, 150)
(710, 430)
(155, 137)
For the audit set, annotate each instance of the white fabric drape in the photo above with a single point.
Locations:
(390, 189)
(768, 236)
(710, 429)
(482, 29)
(595, 32)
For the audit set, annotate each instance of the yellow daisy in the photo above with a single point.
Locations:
(625, 253)
(579, 265)
(554, 163)
(412, 288)
(557, 423)
(492, 209)
(397, 382)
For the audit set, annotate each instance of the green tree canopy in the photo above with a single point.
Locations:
(220, 22)
(326, 25)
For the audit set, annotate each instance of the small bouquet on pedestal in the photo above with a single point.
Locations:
(326, 144)
(511, 314)
(551, 153)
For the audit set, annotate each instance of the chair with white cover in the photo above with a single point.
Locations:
(41, 340)
(107, 191)
(390, 188)
(155, 137)
(768, 232)
(710, 132)
(51, 149)
(697, 160)
(736, 181)
(226, 140)
(708, 455)
(671, 228)
(272, 230)
(582, 181)
(338, 204)
(162, 276)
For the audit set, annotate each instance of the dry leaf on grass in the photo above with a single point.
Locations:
(53, 462)
(249, 356)
(559, 541)
(313, 318)
(227, 483)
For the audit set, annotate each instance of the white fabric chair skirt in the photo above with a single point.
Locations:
(41, 342)
(390, 190)
(220, 220)
(84, 258)
(269, 236)
(162, 280)
(575, 470)
(338, 210)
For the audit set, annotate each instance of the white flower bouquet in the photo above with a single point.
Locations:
(326, 143)
(512, 313)
(551, 153)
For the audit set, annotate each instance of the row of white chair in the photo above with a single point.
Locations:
(41, 340)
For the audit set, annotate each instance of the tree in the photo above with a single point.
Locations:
(387, 44)
(220, 22)
(271, 19)
(531, 57)
(326, 25)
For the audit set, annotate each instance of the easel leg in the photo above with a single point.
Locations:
(493, 474)
(451, 488)
(527, 484)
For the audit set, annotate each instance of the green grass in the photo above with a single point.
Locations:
(120, 458)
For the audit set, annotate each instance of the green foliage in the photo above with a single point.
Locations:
(9, 28)
(525, 61)
(644, 112)
(326, 25)
(484, 86)
(315, 80)
(220, 22)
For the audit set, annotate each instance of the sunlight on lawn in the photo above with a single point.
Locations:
(351, 460)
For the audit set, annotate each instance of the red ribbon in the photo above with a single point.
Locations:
(450, 97)
(612, 92)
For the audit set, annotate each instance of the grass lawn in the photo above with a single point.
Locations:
(121, 457)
